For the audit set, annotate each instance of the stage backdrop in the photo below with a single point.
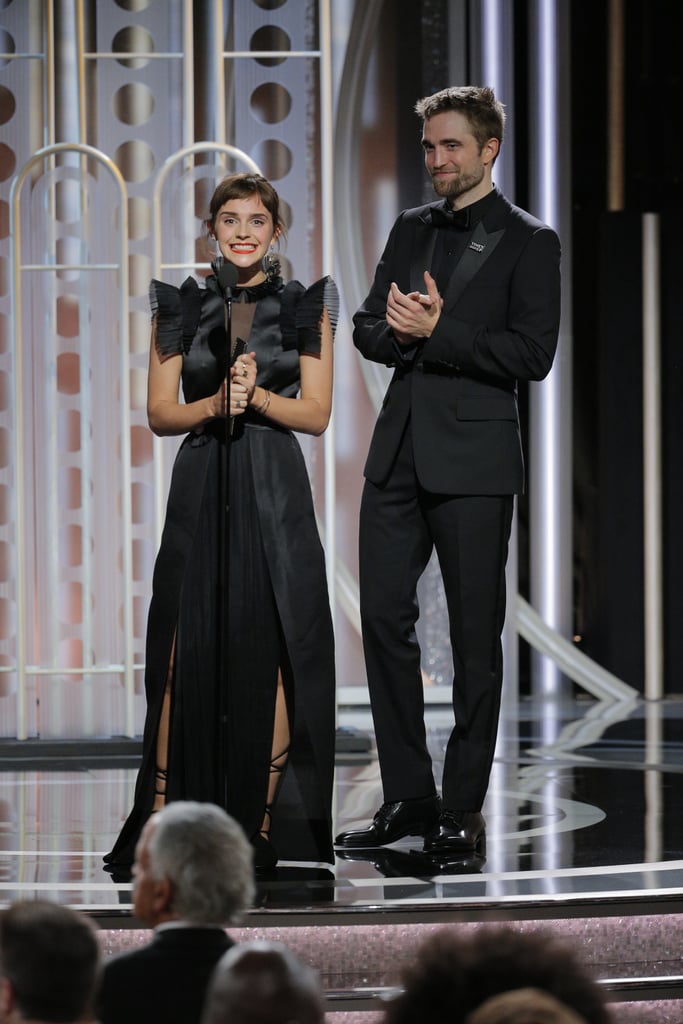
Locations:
(117, 119)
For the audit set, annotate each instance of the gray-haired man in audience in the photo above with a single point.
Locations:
(193, 875)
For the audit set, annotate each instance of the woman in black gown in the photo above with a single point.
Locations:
(276, 694)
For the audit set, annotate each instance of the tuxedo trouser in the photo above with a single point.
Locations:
(400, 525)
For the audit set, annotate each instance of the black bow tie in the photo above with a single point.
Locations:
(446, 218)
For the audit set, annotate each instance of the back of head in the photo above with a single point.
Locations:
(49, 957)
(263, 983)
(524, 1006)
(207, 858)
(485, 114)
(455, 972)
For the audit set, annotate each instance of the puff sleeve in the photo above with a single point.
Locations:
(302, 310)
(177, 313)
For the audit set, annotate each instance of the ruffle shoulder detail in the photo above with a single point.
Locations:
(177, 312)
(302, 310)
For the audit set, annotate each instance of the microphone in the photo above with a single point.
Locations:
(226, 275)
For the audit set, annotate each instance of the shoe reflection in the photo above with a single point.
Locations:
(120, 873)
(293, 886)
(394, 863)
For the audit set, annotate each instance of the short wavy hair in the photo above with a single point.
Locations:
(207, 857)
(244, 186)
(485, 114)
(50, 956)
(454, 972)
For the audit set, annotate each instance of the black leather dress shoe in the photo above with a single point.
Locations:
(456, 831)
(392, 822)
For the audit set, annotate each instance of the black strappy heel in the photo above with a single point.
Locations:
(160, 780)
(265, 855)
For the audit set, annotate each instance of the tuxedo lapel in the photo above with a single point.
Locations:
(480, 247)
(421, 256)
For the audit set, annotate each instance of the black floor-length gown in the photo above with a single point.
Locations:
(278, 611)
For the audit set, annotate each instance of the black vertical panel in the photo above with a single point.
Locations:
(434, 30)
(586, 388)
(421, 69)
(653, 87)
(671, 259)
(410, 175)
(619, 569)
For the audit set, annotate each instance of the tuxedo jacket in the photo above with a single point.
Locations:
(499, 324)
(164, 982)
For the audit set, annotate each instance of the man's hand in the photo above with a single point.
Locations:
(414, 315)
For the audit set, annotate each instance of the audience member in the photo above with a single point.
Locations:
(192, 875)
(263, 983)
(454, 972)
(524, 1006)
(49, 961)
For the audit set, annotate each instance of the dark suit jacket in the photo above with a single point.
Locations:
(499, 324)
(165, 981)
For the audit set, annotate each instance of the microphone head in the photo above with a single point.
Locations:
(226, 274)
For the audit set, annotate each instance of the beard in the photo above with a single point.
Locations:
(459, 185)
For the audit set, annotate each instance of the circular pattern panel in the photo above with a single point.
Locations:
(133, 40)
(135, 160)
(270, 38)
(133, 103)
(6, 46)
(134, 6)
(271, 103)
(273, 157)
(8, 105)
(8, 162)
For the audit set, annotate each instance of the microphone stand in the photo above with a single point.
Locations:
(226, 275)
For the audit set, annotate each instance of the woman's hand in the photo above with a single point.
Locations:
(217, 404)
(242, 383)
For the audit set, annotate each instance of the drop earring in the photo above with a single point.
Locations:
(218, 260)
(270, 264)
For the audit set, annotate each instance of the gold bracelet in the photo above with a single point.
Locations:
(262, 409)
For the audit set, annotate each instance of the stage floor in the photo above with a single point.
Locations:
(583, 809)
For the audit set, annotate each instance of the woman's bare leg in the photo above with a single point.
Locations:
(279, 752)
(161, 771)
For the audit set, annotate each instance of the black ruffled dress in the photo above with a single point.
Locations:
(278, 612)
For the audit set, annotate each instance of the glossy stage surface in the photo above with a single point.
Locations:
(584, 833)
(584, 803)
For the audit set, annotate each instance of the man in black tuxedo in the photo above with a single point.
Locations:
(464, 304)
(193, 875)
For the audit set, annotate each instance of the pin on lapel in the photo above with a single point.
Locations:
(477, 246)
